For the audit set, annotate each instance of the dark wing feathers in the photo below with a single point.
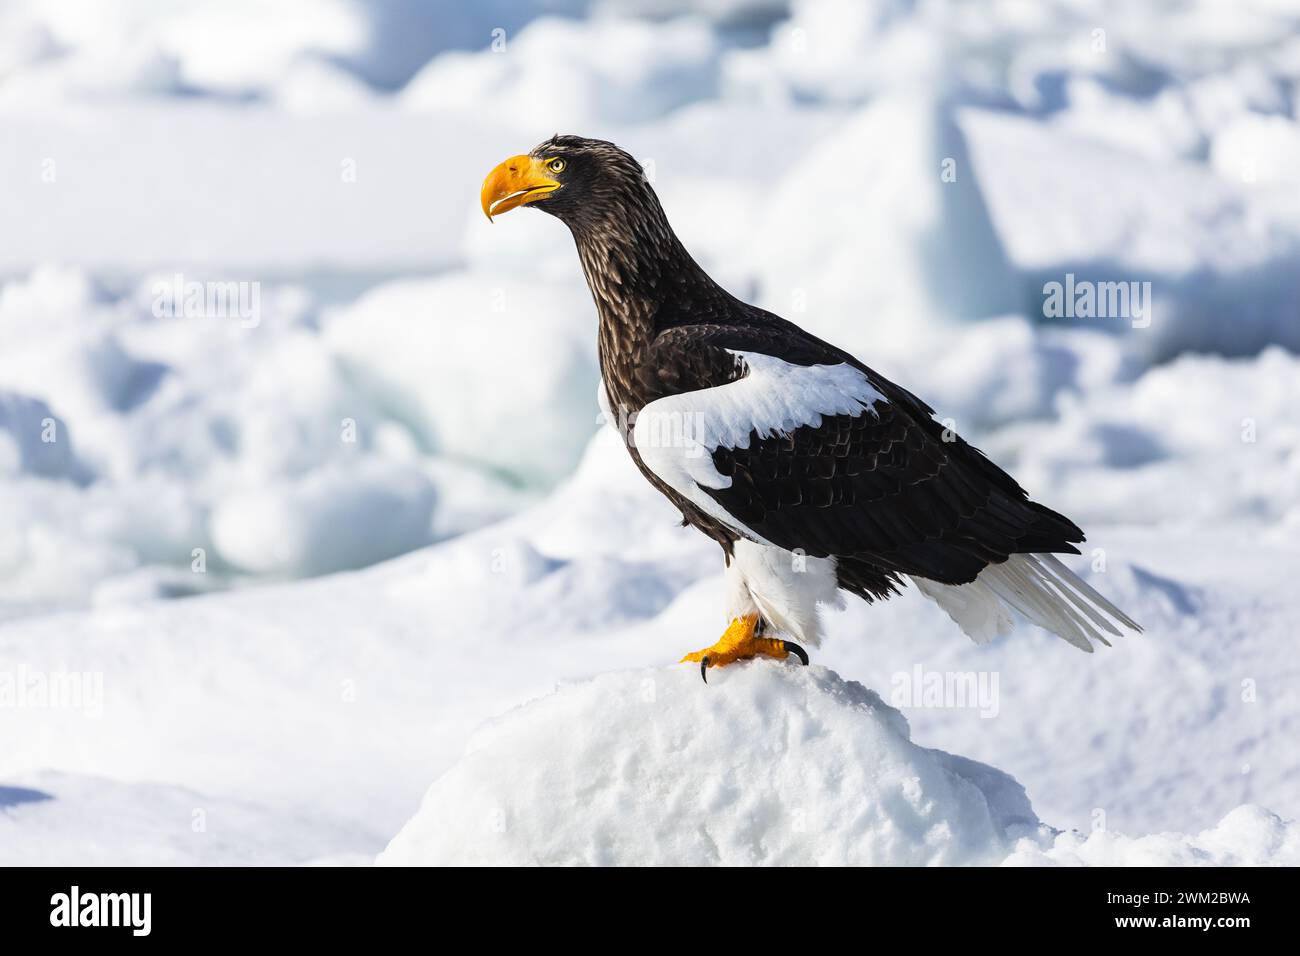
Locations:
(887, 494)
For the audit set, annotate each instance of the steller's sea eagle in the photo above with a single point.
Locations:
(813, 472)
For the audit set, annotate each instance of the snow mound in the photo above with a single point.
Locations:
(765, 765)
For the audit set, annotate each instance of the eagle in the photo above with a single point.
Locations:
(814, 473)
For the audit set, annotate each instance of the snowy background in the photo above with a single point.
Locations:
(199, 504)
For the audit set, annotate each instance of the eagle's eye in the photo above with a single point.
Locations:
(556, 165)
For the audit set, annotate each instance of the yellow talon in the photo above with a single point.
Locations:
(739, 642)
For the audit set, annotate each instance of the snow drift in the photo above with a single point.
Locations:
(769, 765)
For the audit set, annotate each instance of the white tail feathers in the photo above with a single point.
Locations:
(1038, 586)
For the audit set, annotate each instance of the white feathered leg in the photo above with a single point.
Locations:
(784, 587)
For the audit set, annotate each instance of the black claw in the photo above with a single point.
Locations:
(792, 648)
(704, 669)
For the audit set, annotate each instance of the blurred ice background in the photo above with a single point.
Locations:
(328, 152)
(900, 177)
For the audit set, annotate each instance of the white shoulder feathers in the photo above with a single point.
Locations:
(677, 435)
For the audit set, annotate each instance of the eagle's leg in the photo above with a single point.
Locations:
(740, 641)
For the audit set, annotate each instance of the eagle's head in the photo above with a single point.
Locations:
(580, 181)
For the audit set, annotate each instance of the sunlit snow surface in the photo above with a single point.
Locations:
(412, 382)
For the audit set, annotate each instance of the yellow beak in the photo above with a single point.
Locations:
(519, 180)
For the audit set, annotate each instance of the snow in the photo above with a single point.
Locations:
(157, 825)
(1258, 149)
(311, 547)
(237, 48)
(420, 346)
(1210, 247)
(1248, 836)
(328, 521)
(770, 765)
(146, 186)
(579, 75)
(913, 211)
(1195, 413)
(29, 433)
(349, 694)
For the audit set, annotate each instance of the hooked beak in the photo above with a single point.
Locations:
(519, 180)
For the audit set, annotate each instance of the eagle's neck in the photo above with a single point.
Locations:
(643, 281)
